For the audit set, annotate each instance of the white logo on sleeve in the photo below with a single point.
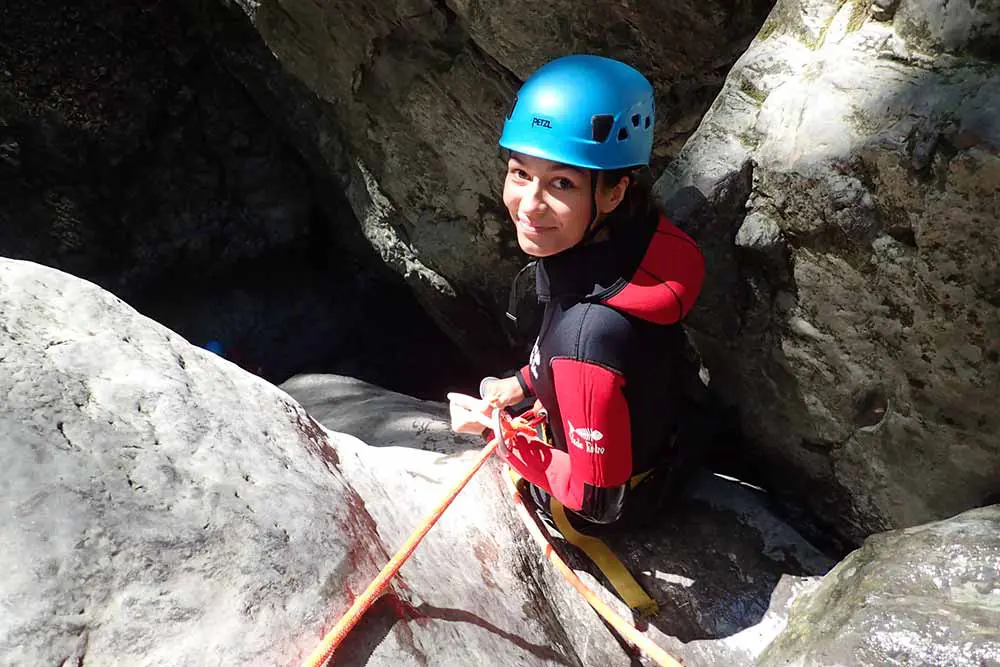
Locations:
(585, 438)
(535, 360)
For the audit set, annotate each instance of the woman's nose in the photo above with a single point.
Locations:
(532, 199)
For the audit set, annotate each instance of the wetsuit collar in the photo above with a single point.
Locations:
(593, 271)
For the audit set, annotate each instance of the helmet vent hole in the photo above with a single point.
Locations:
(510, 111)
(600, 127)
(622, 134)
(648, 120)
(635, 120)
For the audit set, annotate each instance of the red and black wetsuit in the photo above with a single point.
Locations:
(604, 365)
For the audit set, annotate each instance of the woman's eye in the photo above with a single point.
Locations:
(563, 184)
(519, 174)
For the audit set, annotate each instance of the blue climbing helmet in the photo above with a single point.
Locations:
(585, 111)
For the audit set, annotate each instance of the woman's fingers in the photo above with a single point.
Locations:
(501, 393)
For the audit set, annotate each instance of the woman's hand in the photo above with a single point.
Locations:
(501, 393)
(470, 415)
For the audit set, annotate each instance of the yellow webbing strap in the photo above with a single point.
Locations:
(597, 551)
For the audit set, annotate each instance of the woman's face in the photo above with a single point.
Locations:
(550, 203)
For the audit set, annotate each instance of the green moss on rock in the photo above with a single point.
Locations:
(860, 11)
(752, 91)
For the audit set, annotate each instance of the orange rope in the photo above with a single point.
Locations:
(334, 637)
(629, 632)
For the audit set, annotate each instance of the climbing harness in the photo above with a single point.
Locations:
(532, 423)
(624, 629)
(617, 574)
(610, 566)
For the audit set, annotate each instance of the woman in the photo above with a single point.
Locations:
(616, 278)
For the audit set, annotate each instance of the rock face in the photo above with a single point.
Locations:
(164, 506)
(923, 596)
(849, 167)
(403, 102)
(844, 188)
(130, 158)
(139, 476)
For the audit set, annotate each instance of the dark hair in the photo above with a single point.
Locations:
(638, 202)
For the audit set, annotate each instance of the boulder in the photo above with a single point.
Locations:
(722, 566)
(140, 475)
(843, 187)
(167, 508)
(928, 595)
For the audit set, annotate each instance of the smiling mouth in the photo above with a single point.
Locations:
(530, 228)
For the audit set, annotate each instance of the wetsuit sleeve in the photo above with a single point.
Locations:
(524, 379)
(591, 477)
(668, 280)
(685, 275)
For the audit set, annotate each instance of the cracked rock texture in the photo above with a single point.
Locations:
(847, 177)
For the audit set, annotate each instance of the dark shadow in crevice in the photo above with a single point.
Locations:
(142, 165)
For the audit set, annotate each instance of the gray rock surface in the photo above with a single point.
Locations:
(168, 508)
(139, 484)
(476, 590)
(928, 595)
(966, 26)
(723, 569)
(844, 191)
